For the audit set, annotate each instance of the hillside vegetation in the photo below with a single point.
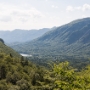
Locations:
(18, 73)
(21, 74)
(7, 50)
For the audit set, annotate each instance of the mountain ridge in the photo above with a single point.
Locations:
(70, 39)
(19, 35)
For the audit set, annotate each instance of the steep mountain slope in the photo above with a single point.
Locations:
(70, 39)
(22, 35)
(7, 50)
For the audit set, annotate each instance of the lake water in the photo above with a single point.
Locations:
(26, 55)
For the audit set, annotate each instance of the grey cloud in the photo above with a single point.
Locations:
(23, 19)
(5, 19)
(85, 7)
(20, 13)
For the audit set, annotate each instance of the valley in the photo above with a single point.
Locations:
(19, 73)
(57, 60)
(70, 40)
(44, 44)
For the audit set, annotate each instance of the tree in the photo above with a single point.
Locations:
(66, 78)
(2, 71)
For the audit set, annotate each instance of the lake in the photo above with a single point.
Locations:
(25, 55)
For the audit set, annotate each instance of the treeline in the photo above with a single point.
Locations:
(21, 74)
(79, 63)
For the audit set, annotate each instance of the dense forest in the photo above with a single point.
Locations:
(21, 74)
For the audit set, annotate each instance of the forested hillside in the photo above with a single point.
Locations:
(20, 74)
(7, 50)
(72, 39)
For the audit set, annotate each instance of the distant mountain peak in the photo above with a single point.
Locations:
(19, 35)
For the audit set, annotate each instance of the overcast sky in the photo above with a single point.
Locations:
(36, 14)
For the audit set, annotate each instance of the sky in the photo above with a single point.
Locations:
(37, 14)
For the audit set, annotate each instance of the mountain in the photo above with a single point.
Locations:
(72, 39)
(18, 35)
(7, 50)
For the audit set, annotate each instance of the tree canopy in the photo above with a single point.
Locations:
(21, 74)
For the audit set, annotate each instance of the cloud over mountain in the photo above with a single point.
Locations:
(85, 7)
(12, 12)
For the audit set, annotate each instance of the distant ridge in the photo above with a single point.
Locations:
(19, 35)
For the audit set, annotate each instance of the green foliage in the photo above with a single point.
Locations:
(23, 84)
(65, 76)
(20, 74)
(7, 50)
(3, 85)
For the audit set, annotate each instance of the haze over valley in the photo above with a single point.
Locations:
(19, 36)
